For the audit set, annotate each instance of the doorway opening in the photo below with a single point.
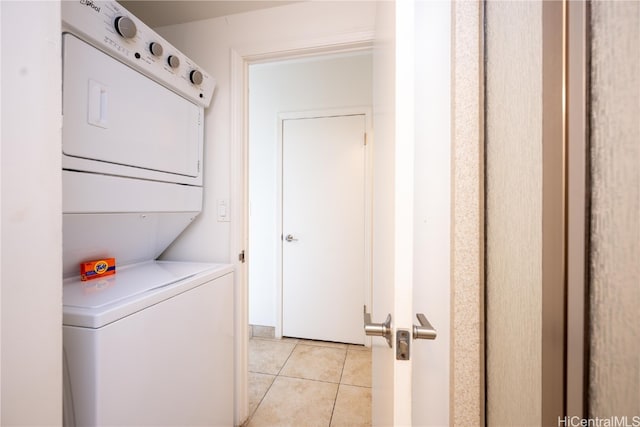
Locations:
(284, 94)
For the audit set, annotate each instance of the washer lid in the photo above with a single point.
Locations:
(97, 302)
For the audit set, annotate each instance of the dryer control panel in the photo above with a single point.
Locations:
(111, 28)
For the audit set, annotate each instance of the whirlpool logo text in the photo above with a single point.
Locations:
(91, 4)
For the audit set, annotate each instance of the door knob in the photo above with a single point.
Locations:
(290, 238)
(425, 331)
(377, 329)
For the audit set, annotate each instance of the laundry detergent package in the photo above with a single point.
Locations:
(98, 268)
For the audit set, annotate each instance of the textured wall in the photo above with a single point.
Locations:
(615, 240)
(467, 375)
(513, 206)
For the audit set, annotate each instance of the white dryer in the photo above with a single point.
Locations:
(152, 344)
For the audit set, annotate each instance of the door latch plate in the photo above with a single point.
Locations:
(403, 344)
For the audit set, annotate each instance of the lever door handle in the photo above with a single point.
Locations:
(377, 329)
(425, 331)
(290, 238)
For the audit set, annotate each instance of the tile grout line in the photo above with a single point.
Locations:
(310, 379)
(261, 399)
(346, 351)
(272, 383)
(333, 409)
(285, 362)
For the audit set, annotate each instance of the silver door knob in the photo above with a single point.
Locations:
(290, 238)
(425, 331)
(377, 329)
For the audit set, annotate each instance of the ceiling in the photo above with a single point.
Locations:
(157, 13)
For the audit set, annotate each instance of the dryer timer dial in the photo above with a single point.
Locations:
(125, 27)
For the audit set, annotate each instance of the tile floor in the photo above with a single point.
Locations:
(308, 383)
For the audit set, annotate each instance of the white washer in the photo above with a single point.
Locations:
(153, 344)
(140, 356)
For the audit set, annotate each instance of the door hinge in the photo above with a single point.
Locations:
(198, 166)
(365, 139)
(241, 257)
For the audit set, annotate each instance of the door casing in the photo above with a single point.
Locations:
(240, 60)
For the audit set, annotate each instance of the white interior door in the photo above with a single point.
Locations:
(392, 232)
(411, 210)
(323, 223)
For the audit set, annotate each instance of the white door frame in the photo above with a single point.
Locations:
(240, 59)
(368, 197)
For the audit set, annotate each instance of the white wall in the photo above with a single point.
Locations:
(31, 233)
(313, 83)
(208, 42)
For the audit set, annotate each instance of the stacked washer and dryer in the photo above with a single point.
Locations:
(152, 344)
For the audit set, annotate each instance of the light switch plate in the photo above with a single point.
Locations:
(222, 210)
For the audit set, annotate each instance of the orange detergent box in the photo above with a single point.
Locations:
(98, 268)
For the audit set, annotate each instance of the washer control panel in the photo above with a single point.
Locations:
(111, 28)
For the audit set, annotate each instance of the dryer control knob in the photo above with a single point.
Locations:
(196, 77)
(173, 61)
(155, 48)
(125, 27)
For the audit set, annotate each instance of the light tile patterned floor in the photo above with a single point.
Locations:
(308, 383)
